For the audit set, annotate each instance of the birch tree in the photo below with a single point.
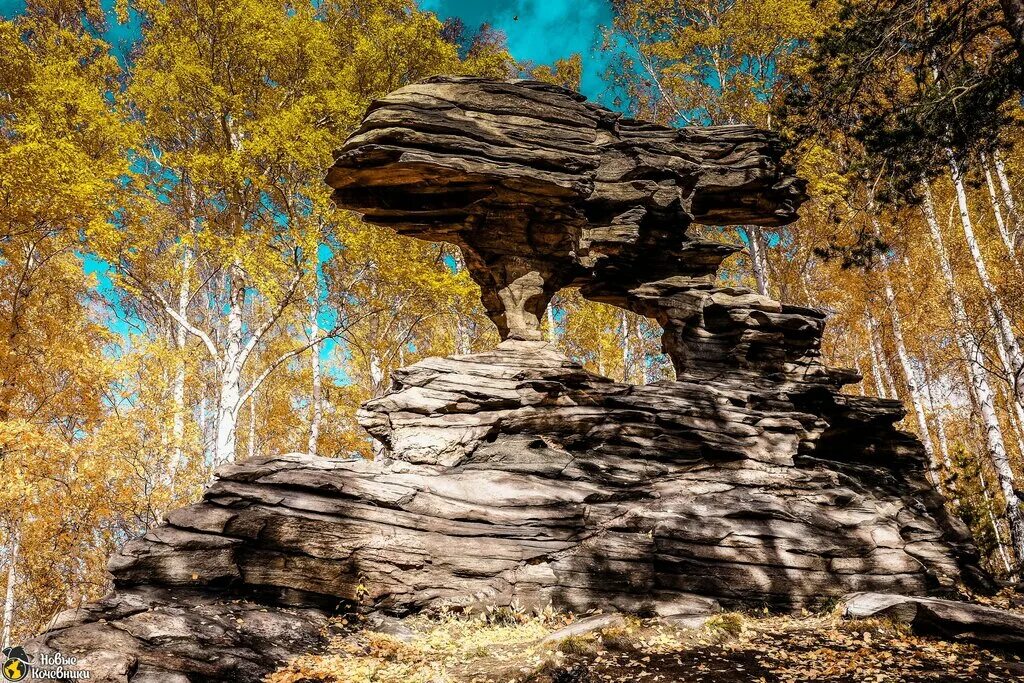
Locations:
(1004, 328)
(981, 389)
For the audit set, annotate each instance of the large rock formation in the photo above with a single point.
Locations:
(514, 474)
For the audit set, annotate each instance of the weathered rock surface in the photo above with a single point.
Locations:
(515, 475)
(527, 479)
(543, 190)
(156, 635)
(946, 618)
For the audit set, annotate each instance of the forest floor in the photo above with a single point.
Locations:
(512, 647)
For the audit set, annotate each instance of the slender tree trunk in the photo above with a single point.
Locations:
(641, 353)
(883, 362)
(758, 257)
(876, 362)
(976, 424)
(1004, 359)
(552, 331)
(377, 378)
(252, 427)
(13, 553)
(626, 351)
(1003, 326)
(204, 427)
(316, 406)
(1008, 198)
(231, 373)
(1018, 429)
(940, 426)
(227, 417)
(178, 389)
(913, 386)
(997, 211)
(995, 524)
(971, 350)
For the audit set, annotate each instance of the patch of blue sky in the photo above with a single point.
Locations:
(542, 31)
(120, 36)
(117, 319)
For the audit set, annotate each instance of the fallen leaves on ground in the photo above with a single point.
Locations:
(450, 648)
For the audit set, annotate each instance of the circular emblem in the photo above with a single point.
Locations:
(15, 666)
(15, 669)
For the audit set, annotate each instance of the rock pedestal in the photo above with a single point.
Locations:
(514, 475)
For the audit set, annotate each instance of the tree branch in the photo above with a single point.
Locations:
(256, 383)
(178, 318)
(274, 317)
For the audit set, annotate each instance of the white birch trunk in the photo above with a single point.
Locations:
(995, 524)
(913, 386)
(758, 258)
(940, 427)
(641, 353)
(876, 368)
(1008, 199)
(13, 551)
(1015, 399)
(231, 373)
(252, 427)
(227, 417)
(178, 388)
(972, 353)
(463, 342)
(552, 332)
(204, 430)
(316, 406)
(1015, 427)
(377, 378)
(883, 362)
(1003, 326)
(1004, 234)
(626, 352)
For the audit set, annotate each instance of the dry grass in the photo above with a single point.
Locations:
(506, 647)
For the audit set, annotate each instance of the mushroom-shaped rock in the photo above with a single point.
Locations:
(543, 190)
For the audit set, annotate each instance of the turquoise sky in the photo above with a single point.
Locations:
(542, 31)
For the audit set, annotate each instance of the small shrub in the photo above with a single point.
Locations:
(505, 615)
(729, 623)
(576, 645)
(618, 638)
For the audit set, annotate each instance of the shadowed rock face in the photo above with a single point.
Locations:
(543, 190)
(516, 475)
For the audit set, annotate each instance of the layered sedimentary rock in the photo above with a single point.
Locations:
(542, 190)
(516, 475)
(525, 478)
